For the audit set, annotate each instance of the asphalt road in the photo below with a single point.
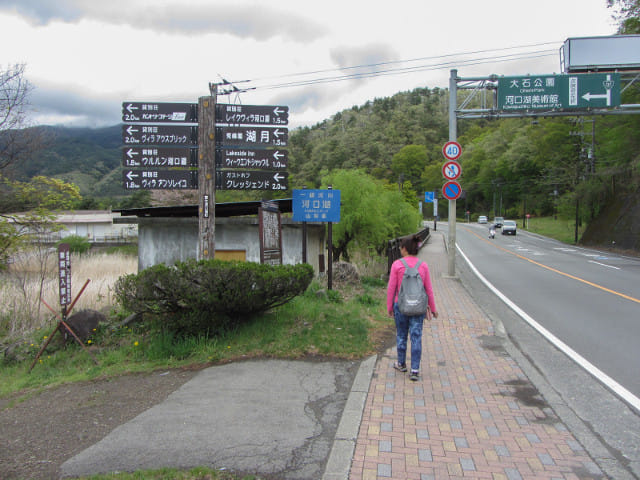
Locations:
(589, 302)
(588, 299)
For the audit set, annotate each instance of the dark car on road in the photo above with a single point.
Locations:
(498, 221)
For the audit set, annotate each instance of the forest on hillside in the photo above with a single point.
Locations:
(574, 166)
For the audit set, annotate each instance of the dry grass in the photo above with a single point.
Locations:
(22, 311)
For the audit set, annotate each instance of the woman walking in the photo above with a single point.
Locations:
(409, 325)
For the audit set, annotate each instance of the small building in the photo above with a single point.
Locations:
(97, 226)
(170, 234)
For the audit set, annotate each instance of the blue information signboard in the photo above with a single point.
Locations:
(316, 206)
(429, 197)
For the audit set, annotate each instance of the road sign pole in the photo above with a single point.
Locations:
(207, 175)
(453, 136)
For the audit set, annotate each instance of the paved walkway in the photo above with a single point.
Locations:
(472, 414)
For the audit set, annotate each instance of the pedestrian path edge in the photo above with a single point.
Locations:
(339, 462)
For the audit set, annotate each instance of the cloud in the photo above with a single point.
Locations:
(368, 56)
(253, 21)
(55, 105)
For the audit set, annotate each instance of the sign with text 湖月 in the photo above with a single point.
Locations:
(259, 137)
(559, 92)
(316, 205)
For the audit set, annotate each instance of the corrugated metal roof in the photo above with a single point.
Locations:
(234, 209)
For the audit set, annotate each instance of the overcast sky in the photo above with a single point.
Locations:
(86, 57)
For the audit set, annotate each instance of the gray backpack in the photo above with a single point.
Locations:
(412, 298)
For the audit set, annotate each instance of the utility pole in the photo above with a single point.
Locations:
(453, 136)
(207, 174)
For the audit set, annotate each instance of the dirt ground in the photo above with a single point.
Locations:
(39, 432)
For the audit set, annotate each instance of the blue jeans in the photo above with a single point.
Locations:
(408, 326)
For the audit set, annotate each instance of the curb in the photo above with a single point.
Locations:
(344, 443)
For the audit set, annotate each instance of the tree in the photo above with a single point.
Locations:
(372, 212)
(628, 14)
(16, 142)
(37, 199)
(409, 162)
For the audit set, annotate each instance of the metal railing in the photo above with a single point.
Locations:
(393, 246)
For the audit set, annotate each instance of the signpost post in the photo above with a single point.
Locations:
(452, 152)
(206, 178)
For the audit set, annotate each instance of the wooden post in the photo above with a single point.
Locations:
(207, 175)
(330, 254)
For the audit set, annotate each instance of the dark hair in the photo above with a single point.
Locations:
(411, 243)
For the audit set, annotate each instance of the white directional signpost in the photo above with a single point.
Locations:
(559, 92)
(204, 146)
(250, 147)
(251, 180)
(152, 112)
(252, 114)
(160, 146)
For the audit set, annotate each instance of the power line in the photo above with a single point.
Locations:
(405, 70)
(394, 62)
(402, 70)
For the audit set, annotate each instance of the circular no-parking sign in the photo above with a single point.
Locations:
(451, 190)
(452, 150)
(451, 170)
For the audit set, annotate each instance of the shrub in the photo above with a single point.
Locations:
(77, 244)
(196, 297)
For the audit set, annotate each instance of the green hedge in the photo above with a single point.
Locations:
(202, 297)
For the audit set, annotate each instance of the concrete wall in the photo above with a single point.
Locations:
(168, 240)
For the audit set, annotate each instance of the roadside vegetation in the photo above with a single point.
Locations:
(345, 322)
(558, 228)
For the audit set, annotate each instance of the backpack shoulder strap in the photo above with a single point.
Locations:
(404, 262)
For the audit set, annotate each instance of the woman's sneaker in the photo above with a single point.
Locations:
(401, 367)
(414, 375)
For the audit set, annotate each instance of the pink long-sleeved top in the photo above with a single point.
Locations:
(395, 279)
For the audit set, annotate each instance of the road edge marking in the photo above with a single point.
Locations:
(605, 379)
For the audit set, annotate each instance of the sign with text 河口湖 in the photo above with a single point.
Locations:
(316, 205)
(559, 92)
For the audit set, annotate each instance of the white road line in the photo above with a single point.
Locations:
(609, 382)
(603, 264)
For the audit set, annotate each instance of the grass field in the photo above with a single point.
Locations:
(560, 229)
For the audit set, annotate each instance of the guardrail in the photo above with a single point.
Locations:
(393, 246)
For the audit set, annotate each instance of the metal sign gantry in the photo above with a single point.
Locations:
(578, 94)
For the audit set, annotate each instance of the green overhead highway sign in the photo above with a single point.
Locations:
(559, 92)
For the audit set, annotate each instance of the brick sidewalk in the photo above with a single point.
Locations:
(472, 414)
